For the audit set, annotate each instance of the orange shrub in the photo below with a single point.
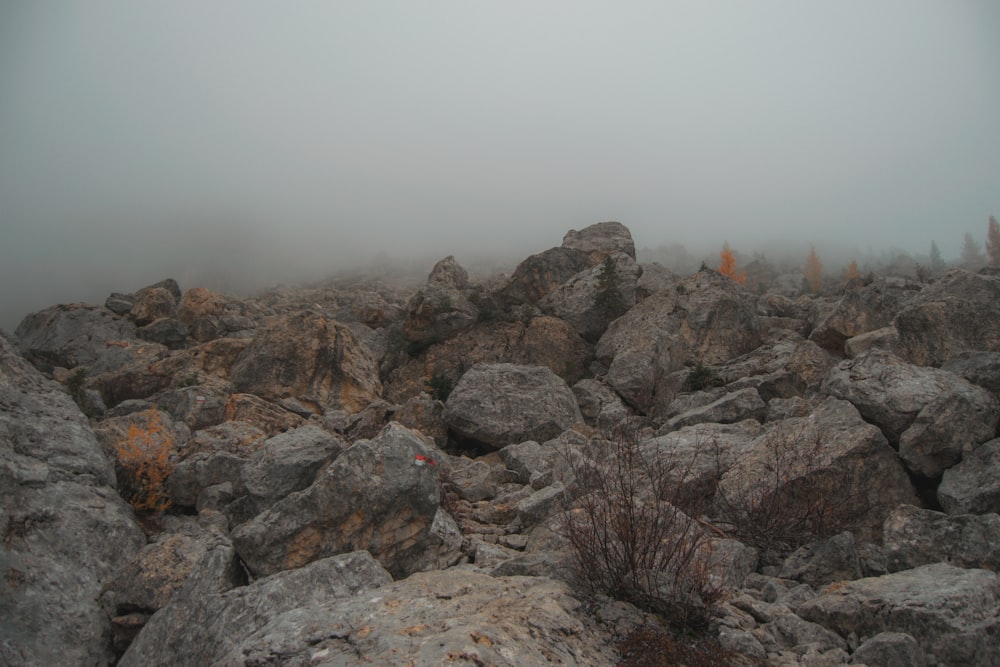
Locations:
(728, 265)
(144, 463)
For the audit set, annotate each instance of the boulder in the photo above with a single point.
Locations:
(167, 331)
(380, 495)
(889, 649)
(915, 537)
(434, 618)
(200, 310)
(916, 407)
(973, 486)
(959, 312)
(591, 299)
(153, 303)
(440, 309)
(265, 415)
(980, 368)
(730, 408)
(706, 317)
(289, 462)
(539, 341)
(203, 623)
(861, 309)
(599, 404)
(824, 562)
(832, 455)
(541, 274)
(494, 405)
(66, 532)
(601, 240)
(304, 355)
(75, 335)
(952, 613)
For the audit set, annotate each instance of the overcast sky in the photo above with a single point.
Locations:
(139, 138)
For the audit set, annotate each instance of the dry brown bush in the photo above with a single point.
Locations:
(144, 461)
(628, 537)
(782, 502)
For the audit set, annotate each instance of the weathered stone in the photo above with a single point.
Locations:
(980, 368)
(834, 454)
(238, 438)
(706, 317)
(861, 309)
(959, 312)
(599, 405)
(730, 408)
(153, 303)
(915, 537)
(601, 240)
(889, 649)
(582, 301)
(200, 626)
(167, 331)
(66, 532)
(314, 359)
(824, 562)
(474, 479)
(952, 613)
(265, 415)
(917, 407)
(377, 495)
(200, 310)
(437, 312)
(432, 618)
(973, 486)
(886, 339)
(289, 462)
(495, 405)
(75, 335)
(541, 274)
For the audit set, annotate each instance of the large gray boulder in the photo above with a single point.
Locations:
(457, 616)
(952, 613)
(311, 358)
(440, 309)
(600, 240)
(66, 531)
(831, 469)
(973, 486)
(861, 309)
(541, 274)
(917, 408)
(211, 616)
(706, 317)
(960, 312)
(495, 405)
(915, 536)
(76, 335)
(591, 299)
(380, 495)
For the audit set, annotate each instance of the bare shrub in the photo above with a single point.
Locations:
(780, 500)
(629, 539)
(144, 460)
(649, 646)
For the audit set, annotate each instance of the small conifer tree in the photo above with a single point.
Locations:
(608, 296)
(993, 242)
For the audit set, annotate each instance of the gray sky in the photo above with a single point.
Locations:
(146, 139)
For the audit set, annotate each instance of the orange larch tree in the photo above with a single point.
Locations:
(993, 242)
(851, 272)
(814, 271)
(728, 265)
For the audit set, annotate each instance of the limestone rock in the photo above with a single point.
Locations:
(541, 274)
(265, 415)
(973, 486)
(706, 317)
(730, 408)
(915, 537)
(959, 312)
(917, 407)
(601, 240)
(861, 309)
(952, 613)
(66, 530)
(153, 303)
(889, 649)
(582, 301)
(316, 360)
(440, 309)
(377, 495)
(75, 335)
(200, 626)
(494, 405)
(833, 454)
(431, 618)
(981, 368)
(824, 562)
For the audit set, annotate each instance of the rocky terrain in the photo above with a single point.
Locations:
(359, 472)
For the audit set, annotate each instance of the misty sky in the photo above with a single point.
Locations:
(272, 139)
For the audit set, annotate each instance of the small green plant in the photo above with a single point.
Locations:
(608, 296)
(75, 384)
(440, 386)
(192, 380)
(702, 377)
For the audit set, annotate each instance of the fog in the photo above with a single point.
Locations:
(241, 143)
